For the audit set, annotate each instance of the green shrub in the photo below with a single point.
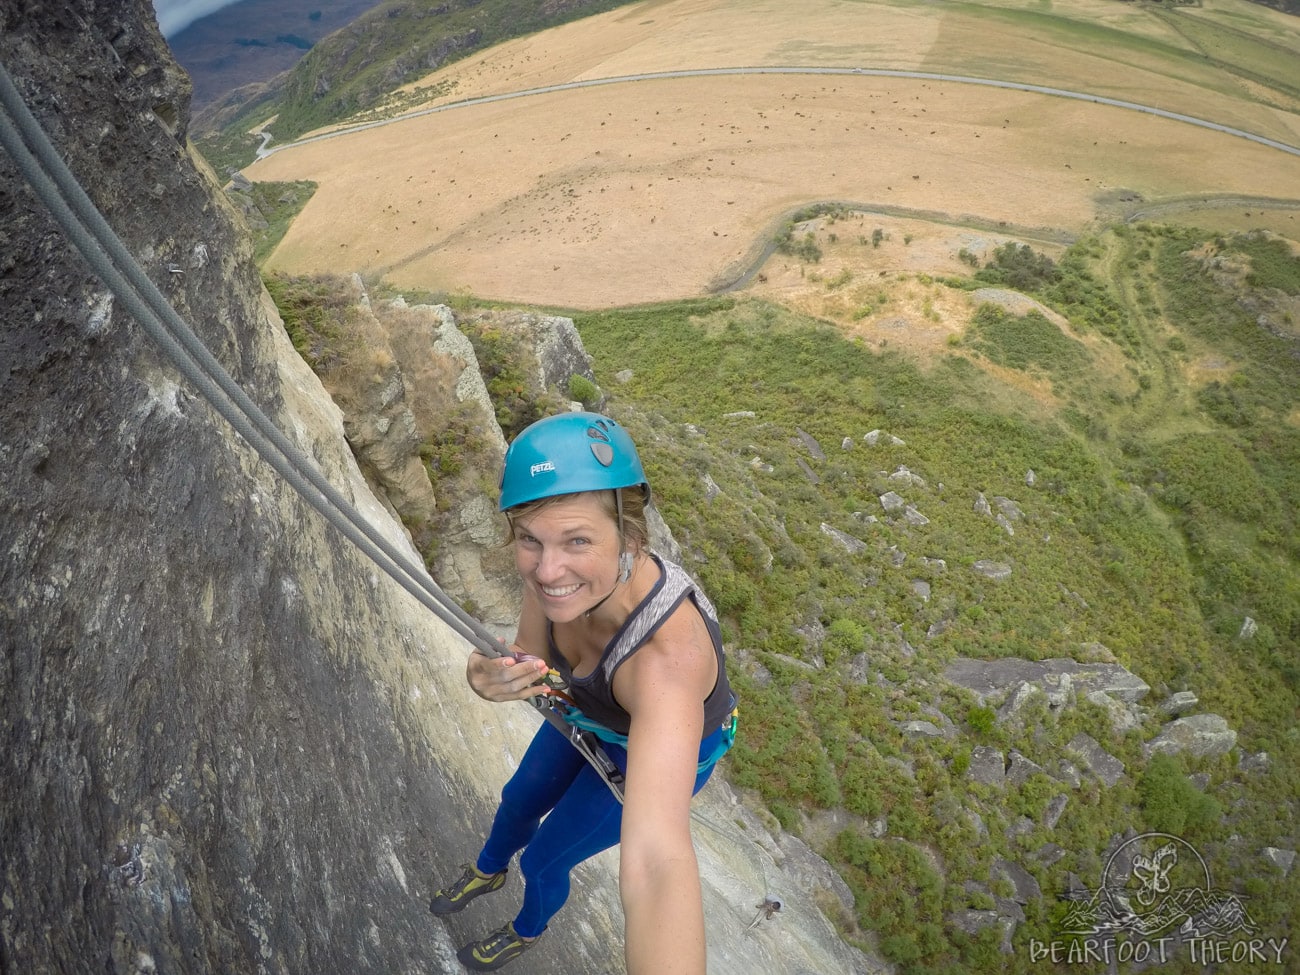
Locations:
(584, 390)
(981, 719)
(1018, 266)
(1171, 803)
(1272, 265)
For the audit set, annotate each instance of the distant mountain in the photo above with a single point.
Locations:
(255, 40)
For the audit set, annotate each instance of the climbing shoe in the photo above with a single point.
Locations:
(497, 949)
(468, 885)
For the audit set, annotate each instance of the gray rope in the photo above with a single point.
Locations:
(115, 266)
(54, 184)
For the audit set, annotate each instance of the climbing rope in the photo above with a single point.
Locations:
(55, 185)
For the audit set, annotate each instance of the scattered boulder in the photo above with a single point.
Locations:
(1025, 886)
(1176, 704)
(1096, 759)
(1019, 768)
(876, 437)
(1008, 508)
(921, 729)
(973, 922)
(1122, 718)
(854, 546)
(1023, 826)
(1199, 735)
(1049, 854)
(1282, 859)
(1055, 810)
(905, 476)
(987, 766)
(914, 517)
(892, 503)
(992, 678)
(1021, 697)
(1065, 773)
(992, 570)
(810, 442)
(1254, 763)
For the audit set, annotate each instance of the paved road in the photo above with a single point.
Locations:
(266, 150)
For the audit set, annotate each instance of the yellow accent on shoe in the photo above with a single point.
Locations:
(470, 884)
(496, 950)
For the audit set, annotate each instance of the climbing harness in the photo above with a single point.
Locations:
(577, 719)
(55, 185)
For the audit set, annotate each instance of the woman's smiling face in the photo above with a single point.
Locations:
(567, 553)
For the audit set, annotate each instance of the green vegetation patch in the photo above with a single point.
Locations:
(1210, 471)
(1171, 803)
(318, 312)
(1153, 526)
(1272, 264)
(1019, 266)
(269, 209)
(1024, 342)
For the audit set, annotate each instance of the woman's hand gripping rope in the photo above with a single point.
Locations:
(513, 676)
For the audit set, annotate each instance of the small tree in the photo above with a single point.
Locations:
(1170, 802)
(584, 390)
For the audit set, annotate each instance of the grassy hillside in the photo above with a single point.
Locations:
(1163, 512)
(1153, 511)
(355, 69)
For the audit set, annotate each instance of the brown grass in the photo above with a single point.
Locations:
(656, 189)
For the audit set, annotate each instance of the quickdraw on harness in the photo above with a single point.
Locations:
(580, 722)
(554, 708)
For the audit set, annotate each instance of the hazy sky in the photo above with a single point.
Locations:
(175, 15)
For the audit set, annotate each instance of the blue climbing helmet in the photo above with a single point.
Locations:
(566, 454)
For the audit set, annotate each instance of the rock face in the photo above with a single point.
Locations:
(219, 743)
(419, 383)
(228, 742)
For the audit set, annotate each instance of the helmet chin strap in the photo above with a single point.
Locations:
(626, 559)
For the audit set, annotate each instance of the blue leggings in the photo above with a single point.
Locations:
(559, 811)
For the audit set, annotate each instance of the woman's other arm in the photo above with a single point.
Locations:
(663, 687)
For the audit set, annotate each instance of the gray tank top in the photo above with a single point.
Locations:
(594, 694)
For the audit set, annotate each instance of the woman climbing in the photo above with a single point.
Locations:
(639, 648)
